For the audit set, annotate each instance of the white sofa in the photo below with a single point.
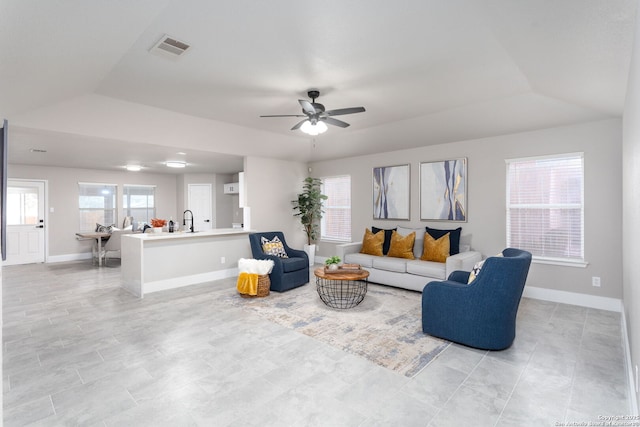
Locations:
(406, 273)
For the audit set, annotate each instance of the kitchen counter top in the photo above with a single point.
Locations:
(186, 234)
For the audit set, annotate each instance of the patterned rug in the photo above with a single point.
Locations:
(385, 328)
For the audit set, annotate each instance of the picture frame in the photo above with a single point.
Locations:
(391, 192)
(443, 190)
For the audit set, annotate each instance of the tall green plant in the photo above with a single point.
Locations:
(309, 207)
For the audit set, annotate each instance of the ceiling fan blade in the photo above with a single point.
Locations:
(343, 111)
(285, 115)
(335, 122)
(307, 107)
(297, 126)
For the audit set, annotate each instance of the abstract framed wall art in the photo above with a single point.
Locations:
(443, 190)
(391, 192)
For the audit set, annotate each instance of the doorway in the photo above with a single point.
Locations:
(199, 202)
(26, 207)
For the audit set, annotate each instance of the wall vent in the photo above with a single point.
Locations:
(170, 47)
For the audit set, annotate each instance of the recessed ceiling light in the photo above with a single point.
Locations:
(182, 153)
(133, 168)
(175, 164)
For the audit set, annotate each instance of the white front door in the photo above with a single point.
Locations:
(25, 222)
(199, 202)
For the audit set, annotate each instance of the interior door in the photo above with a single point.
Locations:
(25, 222)
(199, 202)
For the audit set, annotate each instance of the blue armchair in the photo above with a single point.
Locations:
(287, 273)
(481, 314)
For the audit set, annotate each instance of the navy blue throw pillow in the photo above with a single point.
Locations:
(454, 238)
(387, 238)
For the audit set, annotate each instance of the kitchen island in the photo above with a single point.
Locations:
(154, 262)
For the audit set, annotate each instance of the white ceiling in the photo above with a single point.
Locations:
(76, 74)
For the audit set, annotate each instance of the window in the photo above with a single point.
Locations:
(336, 220)
(545, 207)
(97, 205)
(22, 205)
(139, 201)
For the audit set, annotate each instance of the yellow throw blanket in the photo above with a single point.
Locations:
(248, 284)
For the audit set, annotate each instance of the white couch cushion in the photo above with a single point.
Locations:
(399, 265)
(364, 260)
(427, 269)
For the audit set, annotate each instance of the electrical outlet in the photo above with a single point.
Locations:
(595, 281)
(222, 260)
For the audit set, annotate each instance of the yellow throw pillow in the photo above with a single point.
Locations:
(402, 246)
(435, 250)
(372, 243)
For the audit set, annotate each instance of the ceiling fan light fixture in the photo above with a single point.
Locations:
(175, 164)
(313, 129)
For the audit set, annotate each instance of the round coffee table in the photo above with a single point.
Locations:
(343, 289)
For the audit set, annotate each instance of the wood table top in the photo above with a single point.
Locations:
(342, 274)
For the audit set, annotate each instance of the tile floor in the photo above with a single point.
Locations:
(78, 350)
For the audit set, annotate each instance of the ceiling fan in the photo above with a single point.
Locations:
(316, 116)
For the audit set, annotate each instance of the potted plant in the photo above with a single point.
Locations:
(308, 207)
(332, 263)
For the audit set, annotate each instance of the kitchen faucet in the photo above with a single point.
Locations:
(184, 219)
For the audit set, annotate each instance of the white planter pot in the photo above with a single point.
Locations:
(311, 252)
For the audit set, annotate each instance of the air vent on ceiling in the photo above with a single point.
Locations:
(169, 47)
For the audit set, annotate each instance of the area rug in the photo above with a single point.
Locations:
(385, 328)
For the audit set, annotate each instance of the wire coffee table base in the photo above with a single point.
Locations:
(341, 290)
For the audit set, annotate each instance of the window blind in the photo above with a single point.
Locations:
(545, 206)
(97, 204)
(138, 201)
(336, 220)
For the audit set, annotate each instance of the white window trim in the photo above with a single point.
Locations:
(560, 261)
(155, 187)
(104, 184)
(336, 240)
(140, 185)
(564, 262)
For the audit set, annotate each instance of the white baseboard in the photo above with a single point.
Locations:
(69, 257)
(583, 300)
(633, 397)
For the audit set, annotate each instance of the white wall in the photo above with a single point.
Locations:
(198, 178)
(601, 143)
(631, 204)
(227, 210)
(271, 186)
(64, 222)
(94, 115)
(222, 205)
